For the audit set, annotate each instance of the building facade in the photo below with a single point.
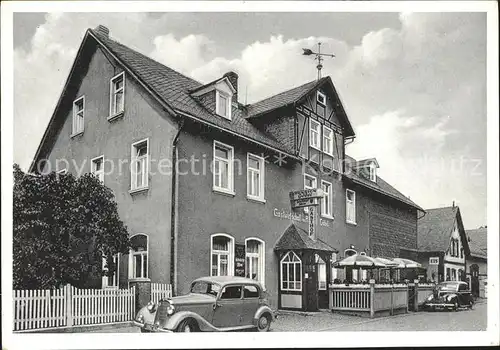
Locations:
(477, 261)
(443, 244)
(203, 182)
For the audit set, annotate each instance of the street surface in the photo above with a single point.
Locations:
(463, 320)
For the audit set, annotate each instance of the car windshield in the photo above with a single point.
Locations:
(202, 287)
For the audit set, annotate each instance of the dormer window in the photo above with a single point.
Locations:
(223, 104)
(372, 170)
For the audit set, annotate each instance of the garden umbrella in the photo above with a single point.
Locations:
(406, 263)
(361, 261)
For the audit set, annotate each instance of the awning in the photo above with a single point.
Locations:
(296, 238)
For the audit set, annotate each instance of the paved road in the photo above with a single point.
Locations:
(464, 320)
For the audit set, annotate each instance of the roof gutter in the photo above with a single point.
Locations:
(236, 134)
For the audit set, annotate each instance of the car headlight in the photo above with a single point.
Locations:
(170, 309)
(430, 297)
(151, 306)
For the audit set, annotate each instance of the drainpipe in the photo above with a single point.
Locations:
(173, 212)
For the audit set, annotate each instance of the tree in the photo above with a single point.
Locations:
(63, 226)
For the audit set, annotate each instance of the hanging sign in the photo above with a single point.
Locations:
(304, 202)
(312, 221)
(309, 193)
(239, 260)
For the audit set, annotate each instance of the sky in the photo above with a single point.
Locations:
(412, 84)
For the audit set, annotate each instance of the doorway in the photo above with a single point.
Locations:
(474, 273)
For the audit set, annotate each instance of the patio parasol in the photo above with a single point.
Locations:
(406, 263)
(356, 260)
(387, 262)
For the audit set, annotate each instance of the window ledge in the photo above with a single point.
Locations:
(139, 190)
(76, 134)
(351, 223)
(224, 192)
(315, 147)
(255, 199)
(327, 217)
(115, 116)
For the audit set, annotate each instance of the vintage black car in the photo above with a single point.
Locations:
(451, 295)
(214, 304)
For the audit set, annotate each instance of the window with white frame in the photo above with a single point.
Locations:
(314, 133)
(140, 164)
(78, 115)
(255, 177)
(321, 272)
(223, 167)
(117, 94)
(326, 201)
(350, 204)
(255, 259)
(372, 169)
(223, 104)
(222, 255)
(328, 140)
(98, 168)
(110, 280)
(138, 256)
(291, 272)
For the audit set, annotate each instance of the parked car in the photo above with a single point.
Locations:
(450, 295)
(214, 304)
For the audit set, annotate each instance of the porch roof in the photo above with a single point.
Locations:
(297, 238)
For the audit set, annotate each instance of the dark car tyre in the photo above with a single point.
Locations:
(455, 305)
(264, 323)
(187, 326)
(145, 330)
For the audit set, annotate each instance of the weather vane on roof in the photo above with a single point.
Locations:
(319, 57)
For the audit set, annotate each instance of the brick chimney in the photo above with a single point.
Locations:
(100, 29)
(233, 78)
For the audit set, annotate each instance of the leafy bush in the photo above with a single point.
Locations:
(63, 226)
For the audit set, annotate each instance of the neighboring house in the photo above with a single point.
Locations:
(225, 210)
(477, 269)
(442, 244)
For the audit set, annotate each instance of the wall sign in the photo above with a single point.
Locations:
(239, 260)
(434, 261)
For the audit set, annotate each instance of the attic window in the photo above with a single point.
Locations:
(372, 170)
(321, 98)
(321, 103)
(223, 104)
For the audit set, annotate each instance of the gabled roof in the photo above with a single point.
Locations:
(296, 95)
(478, 242)
(435, 228)
(296, 238)
(380, 185)
(171, 88)
(174, 89)
(282, 99)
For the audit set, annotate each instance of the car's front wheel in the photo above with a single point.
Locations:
(455, 305)
(264, 323)
(187, 326)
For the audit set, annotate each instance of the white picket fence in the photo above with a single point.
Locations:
(159, 291)
(70, 306)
